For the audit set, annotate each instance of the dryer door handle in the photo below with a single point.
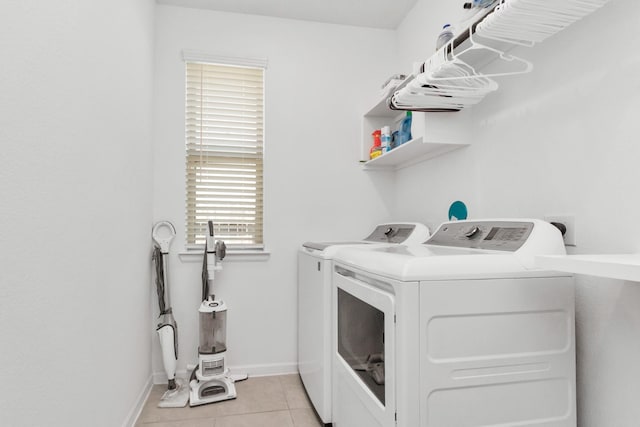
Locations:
(345, 273)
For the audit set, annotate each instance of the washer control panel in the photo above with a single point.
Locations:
(490, 235)
(391, 233)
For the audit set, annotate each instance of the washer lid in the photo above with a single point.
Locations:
(321, 246)
(425, 262)
(391, 233)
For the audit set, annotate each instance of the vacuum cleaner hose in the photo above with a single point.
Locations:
(157, 257)
(205, 275)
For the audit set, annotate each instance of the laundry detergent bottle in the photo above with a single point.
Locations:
(404, 132)
(386, 139)
(376, 148)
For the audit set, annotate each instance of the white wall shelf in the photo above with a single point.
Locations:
(411, 152)
(434, 134)
(614, 266)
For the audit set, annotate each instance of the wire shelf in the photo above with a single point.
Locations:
(448, 81)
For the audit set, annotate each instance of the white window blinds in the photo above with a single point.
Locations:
(224, 151)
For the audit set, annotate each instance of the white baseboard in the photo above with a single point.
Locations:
(251, 370)
(266, 369)
(135, 411)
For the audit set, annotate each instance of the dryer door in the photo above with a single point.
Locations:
(364, 354)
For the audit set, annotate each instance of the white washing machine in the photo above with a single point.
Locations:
(460, 331)
(314, 305)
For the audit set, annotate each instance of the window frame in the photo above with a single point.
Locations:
(199, 57)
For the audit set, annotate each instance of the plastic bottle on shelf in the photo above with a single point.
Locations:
(385, 138)
(445, 35)
(405, 128)
(479, 4)
(376, 148)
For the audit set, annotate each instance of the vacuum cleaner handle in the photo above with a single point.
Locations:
(211, 247)
(162, 237)
(163, 233)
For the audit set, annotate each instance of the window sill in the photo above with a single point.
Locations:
(238, 255)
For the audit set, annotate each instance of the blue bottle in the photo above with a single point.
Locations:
(404, 133)
(479, 4)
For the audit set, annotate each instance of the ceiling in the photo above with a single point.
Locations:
(386, 14)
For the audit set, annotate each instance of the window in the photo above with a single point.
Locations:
(224, 153)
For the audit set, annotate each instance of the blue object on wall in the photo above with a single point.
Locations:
(457, 210)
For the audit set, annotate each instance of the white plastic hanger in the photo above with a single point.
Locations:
(526, 22)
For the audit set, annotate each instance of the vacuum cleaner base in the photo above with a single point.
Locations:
(176, 398)
(211, 390)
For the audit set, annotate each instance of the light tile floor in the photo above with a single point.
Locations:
(276, 401)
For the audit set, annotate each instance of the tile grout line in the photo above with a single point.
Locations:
(284, 392)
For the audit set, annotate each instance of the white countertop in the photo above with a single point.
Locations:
(615, 266)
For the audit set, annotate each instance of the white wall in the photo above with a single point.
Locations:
(76, 184)
(317, 79)
(563, 139)
(75, 180)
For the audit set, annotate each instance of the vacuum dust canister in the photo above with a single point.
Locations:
(213, 325)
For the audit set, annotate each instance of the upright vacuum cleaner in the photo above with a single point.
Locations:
(211, 380)
(177, 394)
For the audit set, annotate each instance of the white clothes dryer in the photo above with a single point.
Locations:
(459, 331)
(314, 305)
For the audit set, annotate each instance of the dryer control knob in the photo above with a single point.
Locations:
(471, 233)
